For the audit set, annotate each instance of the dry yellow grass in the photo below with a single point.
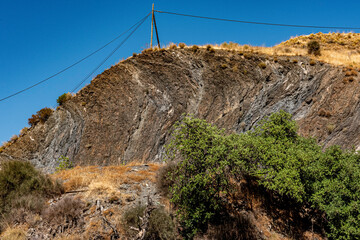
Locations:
(70, 237)
(328, 41)
(336, 48)
(105, 181)
(14, 233)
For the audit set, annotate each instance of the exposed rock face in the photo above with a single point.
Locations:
(126, 113)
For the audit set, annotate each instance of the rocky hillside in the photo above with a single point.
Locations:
(125, 114)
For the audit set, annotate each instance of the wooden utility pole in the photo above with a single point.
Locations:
(156, 31)
(152, 25)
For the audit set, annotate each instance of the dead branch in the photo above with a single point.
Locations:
(143, 226)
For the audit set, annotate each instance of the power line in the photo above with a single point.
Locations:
(72, 65)
(117, 47)
(258, 23)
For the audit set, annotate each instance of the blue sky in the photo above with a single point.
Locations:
(39, 38)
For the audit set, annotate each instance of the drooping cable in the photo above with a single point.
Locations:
(258, 23)
(72, 65)
(108, 56)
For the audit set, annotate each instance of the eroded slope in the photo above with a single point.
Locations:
(126, 113)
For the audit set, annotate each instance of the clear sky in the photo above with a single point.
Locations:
(39, 38)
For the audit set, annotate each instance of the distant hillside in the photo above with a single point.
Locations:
(126, 113)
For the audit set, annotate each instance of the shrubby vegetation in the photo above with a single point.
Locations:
(68, 208)
(23, 190)
(161, 226)
(64, 163)
(63, 98)
(40, 117)
(314, 48)
(274, 154)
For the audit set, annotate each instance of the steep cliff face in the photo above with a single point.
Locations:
(126, 113)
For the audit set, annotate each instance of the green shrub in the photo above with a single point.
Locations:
(201, 176)
(275, 155)
(22, 186)
(161, 226)
(314, 48)
(64, 163)
(63, 98)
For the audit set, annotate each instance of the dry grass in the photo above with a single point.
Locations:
(14, 233)
(105, 181)
(70, 237)
(330, 128)
(336, 48)
(328, 41)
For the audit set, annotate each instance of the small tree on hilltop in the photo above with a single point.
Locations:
(314, 48)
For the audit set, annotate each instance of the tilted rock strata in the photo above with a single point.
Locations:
(126, 113)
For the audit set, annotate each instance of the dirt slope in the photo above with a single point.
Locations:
(126, 113)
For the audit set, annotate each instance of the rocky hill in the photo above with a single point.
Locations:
(125, 114)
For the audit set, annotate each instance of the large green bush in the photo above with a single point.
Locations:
(280, 160)
(201, 177)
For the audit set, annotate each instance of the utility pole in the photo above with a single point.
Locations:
(152, 25)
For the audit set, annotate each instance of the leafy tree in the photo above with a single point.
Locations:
(277, 156)
(335, 189)
(201, 178)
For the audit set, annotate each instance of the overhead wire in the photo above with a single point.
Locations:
(108, 56)
(74, 64)
(138, 25)
(258, 23)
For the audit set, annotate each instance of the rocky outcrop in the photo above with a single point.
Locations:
(126, 113)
